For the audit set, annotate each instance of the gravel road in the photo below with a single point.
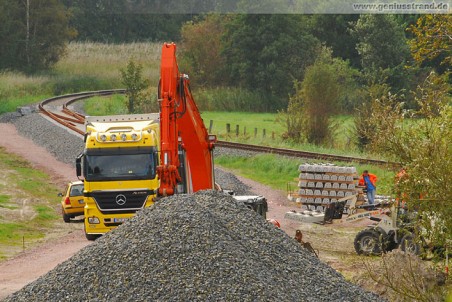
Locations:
(200, 247)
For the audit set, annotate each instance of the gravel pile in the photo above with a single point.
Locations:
(201, 247)
(229, 181)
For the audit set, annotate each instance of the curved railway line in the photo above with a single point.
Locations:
(57, 108)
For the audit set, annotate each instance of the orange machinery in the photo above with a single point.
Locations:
(186, 160)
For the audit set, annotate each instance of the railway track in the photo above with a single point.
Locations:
(57, 108)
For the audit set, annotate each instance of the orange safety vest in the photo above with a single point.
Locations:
(372, 178)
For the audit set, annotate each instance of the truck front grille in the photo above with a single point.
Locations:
(120, 201)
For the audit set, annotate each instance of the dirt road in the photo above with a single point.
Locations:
(60, 245)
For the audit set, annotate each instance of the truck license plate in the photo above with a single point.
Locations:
(119, 219)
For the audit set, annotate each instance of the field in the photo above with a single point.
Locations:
(86, 66)
(274, 126)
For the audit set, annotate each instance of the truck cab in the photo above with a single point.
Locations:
(118, 166)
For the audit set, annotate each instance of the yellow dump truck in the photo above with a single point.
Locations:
(118, 166)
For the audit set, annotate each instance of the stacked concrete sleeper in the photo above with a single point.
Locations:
(321, 184)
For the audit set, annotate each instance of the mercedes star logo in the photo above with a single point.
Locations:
(120, 199)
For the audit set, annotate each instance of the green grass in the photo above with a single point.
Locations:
(5, 202)
(115, 104)
(234, 99)
(13, 232)
(28, 179)
(45, 213)
(86, 66)
(277, 171)
(271, 122)
(23, 182)
(103, 61)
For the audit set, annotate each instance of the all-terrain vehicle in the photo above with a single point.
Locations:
(394, 229)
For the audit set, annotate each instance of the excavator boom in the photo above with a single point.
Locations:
(186, 161)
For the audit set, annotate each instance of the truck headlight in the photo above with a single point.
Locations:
(93, 220)
(124, 137)
(113, 137)
(103, 137)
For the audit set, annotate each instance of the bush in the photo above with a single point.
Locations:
(406, 277)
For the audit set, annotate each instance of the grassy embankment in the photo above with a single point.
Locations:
(28, 204)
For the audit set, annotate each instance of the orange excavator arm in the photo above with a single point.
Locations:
(186, 160)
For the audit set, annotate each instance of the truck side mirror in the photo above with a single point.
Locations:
(78, 166)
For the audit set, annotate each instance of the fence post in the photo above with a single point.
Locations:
(263, 133)
(210, 126)
(236, 130)
(255, 132)
(228, 128)
(273, 134)
(244, 130)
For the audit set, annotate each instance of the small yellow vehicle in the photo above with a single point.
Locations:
(72, 202)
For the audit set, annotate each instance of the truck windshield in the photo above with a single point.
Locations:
(119, 167)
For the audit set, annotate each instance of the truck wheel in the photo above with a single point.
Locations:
(66, 217)
(409, 245)
(91, 237)
(367, 242)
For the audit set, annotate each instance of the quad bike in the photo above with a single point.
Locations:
(391, 231)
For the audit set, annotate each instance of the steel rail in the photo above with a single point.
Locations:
(77, 117)
(80, 119)
(301, 154)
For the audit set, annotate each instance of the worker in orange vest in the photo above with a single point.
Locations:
(370, 181)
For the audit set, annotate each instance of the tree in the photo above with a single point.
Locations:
(421, 141)
(268, 52)
(293, 117)
(11, 34)
(432, 39)
(132, 79)
(381, 42)
(201, 52)
(334, 31)
(383, 49)
(315, 100)
(363, 123)
(112, 21)
(35, 32)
